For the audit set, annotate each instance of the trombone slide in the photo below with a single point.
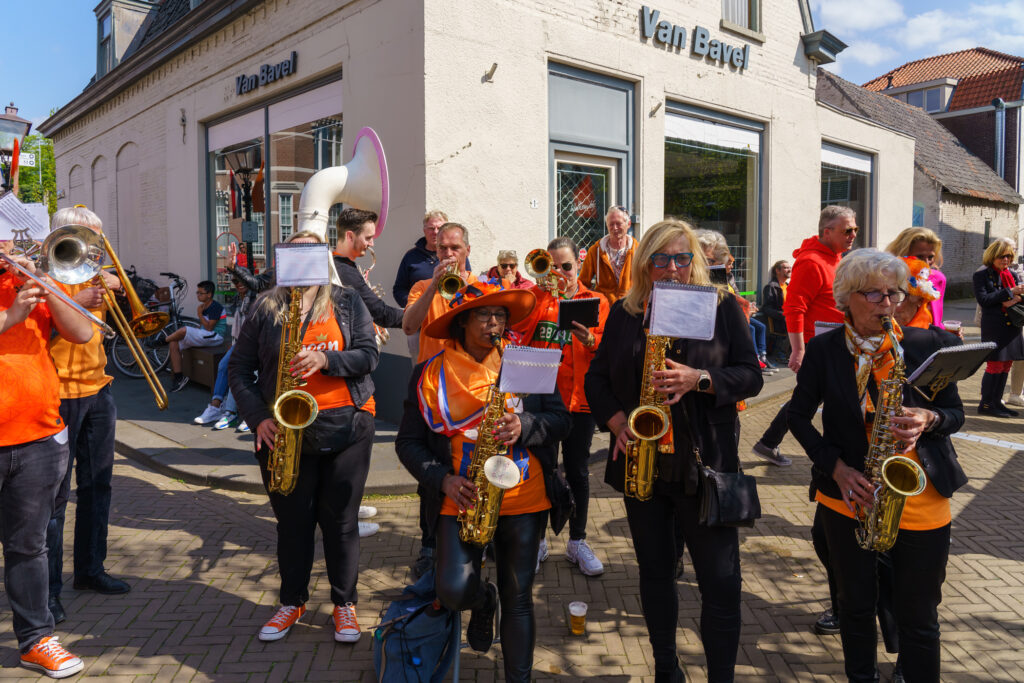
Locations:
(57, 293)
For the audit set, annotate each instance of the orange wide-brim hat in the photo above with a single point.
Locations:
(519, 303)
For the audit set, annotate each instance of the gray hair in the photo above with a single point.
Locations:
(454, 226)
(618, 209)
(864, 266)
(76, 215)
(508, 254)
(714, 240)
(831, 213)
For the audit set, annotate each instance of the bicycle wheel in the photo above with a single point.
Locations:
(155, 347)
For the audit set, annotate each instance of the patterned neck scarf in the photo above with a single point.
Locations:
(872, 356)
(617, 257)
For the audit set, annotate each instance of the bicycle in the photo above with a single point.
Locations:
(155, 346)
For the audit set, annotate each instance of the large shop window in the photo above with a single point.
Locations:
(296, 138)
(846, 181)
(712, 178)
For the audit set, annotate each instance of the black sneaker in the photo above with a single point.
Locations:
(423, 563)
(827, 624)
(772, 455)
(480, 632)
(179, 384)
(57, 609)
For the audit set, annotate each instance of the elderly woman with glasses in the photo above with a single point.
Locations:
(996, 290)
(508, 270)
(702, 381)
(841, 372)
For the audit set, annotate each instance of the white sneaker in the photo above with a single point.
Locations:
(580, 554)
(542, 554)
(211, 414)
(242, 427)
(1016, 400)
(368, 529)
(227, 419)
(367, 511)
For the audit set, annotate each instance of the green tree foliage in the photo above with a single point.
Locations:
(30, 189)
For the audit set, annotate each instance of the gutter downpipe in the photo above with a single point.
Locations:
(1000, 141)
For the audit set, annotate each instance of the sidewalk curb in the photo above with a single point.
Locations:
(206, 479)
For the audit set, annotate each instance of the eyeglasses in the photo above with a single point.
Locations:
(567, 266)
(483, 315)
(682, 259)
(851, 231)
(875, 296)
(1005, 256)
(507, 265)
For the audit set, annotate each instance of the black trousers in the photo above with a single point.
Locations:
(820, 543)
(576, 462)
(327, 494)
(459, 586)
(918, 571)
(776, 431)
(716, 561)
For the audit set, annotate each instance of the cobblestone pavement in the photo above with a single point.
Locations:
(201, 563)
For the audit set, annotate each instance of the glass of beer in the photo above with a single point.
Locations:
(577, 617)
(951, 325)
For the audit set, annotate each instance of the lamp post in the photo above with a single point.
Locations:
(245, 159)
(13, 130)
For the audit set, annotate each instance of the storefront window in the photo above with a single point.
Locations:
(237, 195)
(846, 181)
(712, 178)
(583, 195)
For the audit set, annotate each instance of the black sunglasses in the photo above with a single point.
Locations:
(567, 266)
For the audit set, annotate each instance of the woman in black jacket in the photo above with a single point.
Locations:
(436, 441)
(338, 354)
(841, 373)
(996, 290)
(703, 380)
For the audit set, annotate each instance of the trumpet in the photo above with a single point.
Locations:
(450, 283)
(538, 266)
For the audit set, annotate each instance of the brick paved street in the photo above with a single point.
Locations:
(201, 563)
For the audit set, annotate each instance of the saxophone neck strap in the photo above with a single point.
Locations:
(305, 324)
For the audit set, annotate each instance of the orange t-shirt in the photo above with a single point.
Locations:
(81, 367)
(30, 399)
(429, 346)
(529, 495)
(329, 391)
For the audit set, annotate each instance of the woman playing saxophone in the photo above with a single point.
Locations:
(332, 356)
(702, 381)
(842, 372)
(450, 400)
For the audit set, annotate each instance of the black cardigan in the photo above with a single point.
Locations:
(990, 293)
(771, 301)
(428, 455)
(613, 384)
(259, 344)
(827, 378)
(382, 314)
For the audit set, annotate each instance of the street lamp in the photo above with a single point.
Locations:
(13, 129)
(244, 159)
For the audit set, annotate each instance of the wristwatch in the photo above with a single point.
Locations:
(704, 381)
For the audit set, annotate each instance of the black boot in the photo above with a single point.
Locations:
(997, 392)
(990, 403)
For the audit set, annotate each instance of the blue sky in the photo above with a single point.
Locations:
(51, 55)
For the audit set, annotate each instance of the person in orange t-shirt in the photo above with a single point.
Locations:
(844, 369)
(33, 457)
(448, 397)
(87, 408)
(338, 354)
(578, 346)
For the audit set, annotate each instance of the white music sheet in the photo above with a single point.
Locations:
(302, 265)
(18, 221)
(526, 370)
(683, 311)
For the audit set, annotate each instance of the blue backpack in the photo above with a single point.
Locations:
(414, 642)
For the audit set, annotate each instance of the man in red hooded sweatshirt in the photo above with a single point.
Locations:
(809, 300)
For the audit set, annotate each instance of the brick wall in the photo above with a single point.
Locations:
(978, 133)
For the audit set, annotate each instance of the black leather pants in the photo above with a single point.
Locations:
(460, 587)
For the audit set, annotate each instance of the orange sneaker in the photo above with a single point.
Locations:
(49, 658)
(279, 625)
(346, 628)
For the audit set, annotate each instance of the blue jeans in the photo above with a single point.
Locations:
(30, 474)
(759, 332)
(220, 386)
(90, 422)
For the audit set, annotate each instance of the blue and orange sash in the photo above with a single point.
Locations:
(453, 389)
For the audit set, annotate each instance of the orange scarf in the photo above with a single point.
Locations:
(872, 356)
(453, 389)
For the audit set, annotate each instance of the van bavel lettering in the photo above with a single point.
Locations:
(662, 31)
(715, 50)
(268, 74)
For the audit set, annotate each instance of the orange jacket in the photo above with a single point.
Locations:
(539, 330)
(809, 295)
(597, 263)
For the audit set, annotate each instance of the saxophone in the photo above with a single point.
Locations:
(294, 409)
(490, 470)
(650, 421)
(895, 477)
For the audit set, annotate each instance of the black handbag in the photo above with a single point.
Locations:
(563, 503)
(726, 498)
(1016, 314)
(331, 432)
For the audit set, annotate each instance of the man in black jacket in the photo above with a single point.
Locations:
(356, 230)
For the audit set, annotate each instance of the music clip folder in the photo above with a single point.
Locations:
(683, 311)
(947, 366)
(583, 311)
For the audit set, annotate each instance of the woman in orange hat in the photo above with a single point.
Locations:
(447, 400)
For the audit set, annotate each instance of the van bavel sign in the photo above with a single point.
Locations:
(268, 74)
(702, 45)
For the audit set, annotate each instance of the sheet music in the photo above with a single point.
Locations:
(683, 311)
(526, 370)
(821, 327)
(17, 221)
(302, 265)
(963, 348)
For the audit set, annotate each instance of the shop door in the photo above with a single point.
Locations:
(584, 190)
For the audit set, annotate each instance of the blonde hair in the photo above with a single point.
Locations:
(434, 213)
(904, 242)
(275, 301)
(993, 249)
(864, 266)
(76, 215)
(655, 239)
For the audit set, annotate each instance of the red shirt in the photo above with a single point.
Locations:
(809, 294)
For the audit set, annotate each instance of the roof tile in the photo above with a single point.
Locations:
(980, 90)
(962, 64)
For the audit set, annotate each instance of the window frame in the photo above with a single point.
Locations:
(754, 30)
